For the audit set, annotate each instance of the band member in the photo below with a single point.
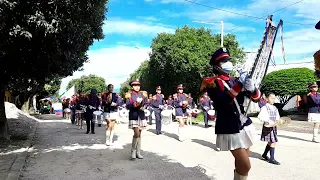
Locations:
(110, 105)
(72, 106)
(92, 105)
(150, 109)
(191, 102)
(136, 102)
(170, 101)
(181, 104)
(157, 105)
(206, 106)
(269, 115)
(120, 100)
(81, 101)
(313, 102)
(234, 130)
(100, 118)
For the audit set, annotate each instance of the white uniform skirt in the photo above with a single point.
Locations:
(111, 115)
(242, 140)
(314, 117)
(141, 124)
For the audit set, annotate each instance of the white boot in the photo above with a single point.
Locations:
(181, 133)
(315, 132)
(108, 138)
(111, 138)
(238, 176)
(139, 156)
(134, 148)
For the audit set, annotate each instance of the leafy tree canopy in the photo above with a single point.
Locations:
(89, 82)
(42, 40)
(183, 58)
(287, 83)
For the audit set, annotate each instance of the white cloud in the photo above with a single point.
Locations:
(113, 64)
(133, 28)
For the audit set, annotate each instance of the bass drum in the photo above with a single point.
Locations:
(166, 116)
(97, 113)
(195, 113)
(146, 113)
(212, 114)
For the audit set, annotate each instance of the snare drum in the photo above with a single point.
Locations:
(211, 114)
(146, 113)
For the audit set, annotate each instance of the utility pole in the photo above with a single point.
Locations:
(222, 28)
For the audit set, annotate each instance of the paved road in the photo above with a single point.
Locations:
(63, 152)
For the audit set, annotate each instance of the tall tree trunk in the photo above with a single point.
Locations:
(3, 119)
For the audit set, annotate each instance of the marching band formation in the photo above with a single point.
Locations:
(223, 92)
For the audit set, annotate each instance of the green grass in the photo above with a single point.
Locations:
(199, 119)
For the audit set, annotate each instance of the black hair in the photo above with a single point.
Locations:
(269, 94)
(109, 85)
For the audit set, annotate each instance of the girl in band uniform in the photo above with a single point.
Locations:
(313, 101)
(136, 102)
(234, 130)
(181, 103)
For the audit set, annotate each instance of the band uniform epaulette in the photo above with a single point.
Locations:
(208, 83)
(154, 97)
(128, 95)
(145, 94)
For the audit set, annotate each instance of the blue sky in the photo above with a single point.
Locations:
(131, 25)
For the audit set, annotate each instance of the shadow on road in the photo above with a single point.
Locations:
(205, 143)
(294, 138)
(68, 153)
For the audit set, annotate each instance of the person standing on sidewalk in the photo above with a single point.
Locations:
(313, 102)
(269, 115)
(157, 104)
(136, 102)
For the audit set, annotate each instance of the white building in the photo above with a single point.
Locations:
(292, 102)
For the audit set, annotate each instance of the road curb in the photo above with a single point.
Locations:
(20, 160)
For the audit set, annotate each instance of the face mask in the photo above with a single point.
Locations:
(227, 67)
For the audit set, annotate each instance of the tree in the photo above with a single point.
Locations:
(183, 58)
(43, 40)
(89, 82)
(287, 83)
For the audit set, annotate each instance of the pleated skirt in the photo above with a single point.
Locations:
(140, 123)
(242, 140)
(269, 134)
(314, 117)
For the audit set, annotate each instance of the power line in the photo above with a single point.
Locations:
(273, 13)
(246, 15)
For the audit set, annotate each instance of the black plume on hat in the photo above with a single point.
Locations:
(318, 25)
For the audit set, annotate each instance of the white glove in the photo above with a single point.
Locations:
(243, 76)
(139, 100)
(249, 86)
(113, 104)
(161, 106)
